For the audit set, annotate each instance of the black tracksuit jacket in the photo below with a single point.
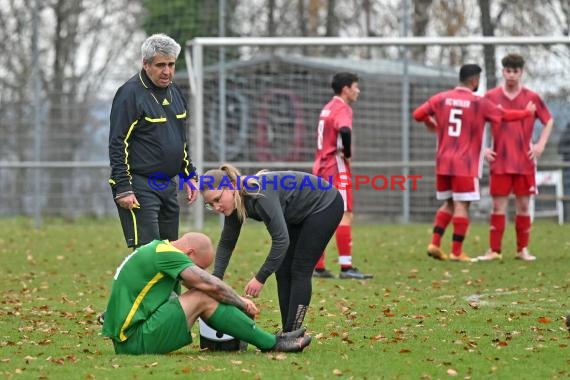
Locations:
(148, 132)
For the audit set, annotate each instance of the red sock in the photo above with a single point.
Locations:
(321, 262)
(496, 231)
(344, 245)
(460, 226)
(522, 226)
(440, 223)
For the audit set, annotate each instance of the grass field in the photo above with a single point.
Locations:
(417, 319)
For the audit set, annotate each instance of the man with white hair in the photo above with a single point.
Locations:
(148, 147)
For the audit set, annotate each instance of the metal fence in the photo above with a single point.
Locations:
(255, 103)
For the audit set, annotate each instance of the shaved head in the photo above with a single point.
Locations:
(198, 247)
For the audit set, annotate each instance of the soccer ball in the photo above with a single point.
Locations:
(213, 340)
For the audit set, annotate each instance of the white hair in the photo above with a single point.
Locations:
(159, 44)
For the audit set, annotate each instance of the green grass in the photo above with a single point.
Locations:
(417, 319)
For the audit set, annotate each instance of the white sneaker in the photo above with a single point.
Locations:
(525, 255)
(490, 256)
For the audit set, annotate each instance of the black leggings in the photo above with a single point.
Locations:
(308, 240)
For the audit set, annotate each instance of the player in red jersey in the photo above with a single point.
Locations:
(458, 117)
(332, 162)
(513, 158)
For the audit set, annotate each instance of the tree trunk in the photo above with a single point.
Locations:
(302, 18)
(419, 26)
(331, 21)
(271, 18)
(488, 50)
(331, 27)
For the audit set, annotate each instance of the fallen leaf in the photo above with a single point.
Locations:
(452, 372)
(544, 320)
(337, 372)
(280, 356)
(89, 310)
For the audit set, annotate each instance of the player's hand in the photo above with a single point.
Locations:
(535, 151)
(191, 191)
(253, 288)
(490, 155)
(250, 308)
(531, 107)
(129, 202)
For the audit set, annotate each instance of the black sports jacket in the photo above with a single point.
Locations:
(148, 132)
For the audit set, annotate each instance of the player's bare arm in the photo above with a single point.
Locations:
(537, 149)
(197, 278)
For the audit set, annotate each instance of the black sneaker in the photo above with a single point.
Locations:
(354, 273)
(291, 344)
(292, 334)
(322, 273)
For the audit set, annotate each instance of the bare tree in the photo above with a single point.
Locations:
(81, 44)
(488, 29)
(302, 18)
(331, 26)
(271, 18)
(419, 26)
(313, 19)
(331, 23)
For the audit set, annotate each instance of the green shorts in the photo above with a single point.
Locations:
(165, 331)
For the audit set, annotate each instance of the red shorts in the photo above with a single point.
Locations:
(343, 182)
(517, 184)
(458, 188)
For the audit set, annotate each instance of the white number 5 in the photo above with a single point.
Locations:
(454, 129)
